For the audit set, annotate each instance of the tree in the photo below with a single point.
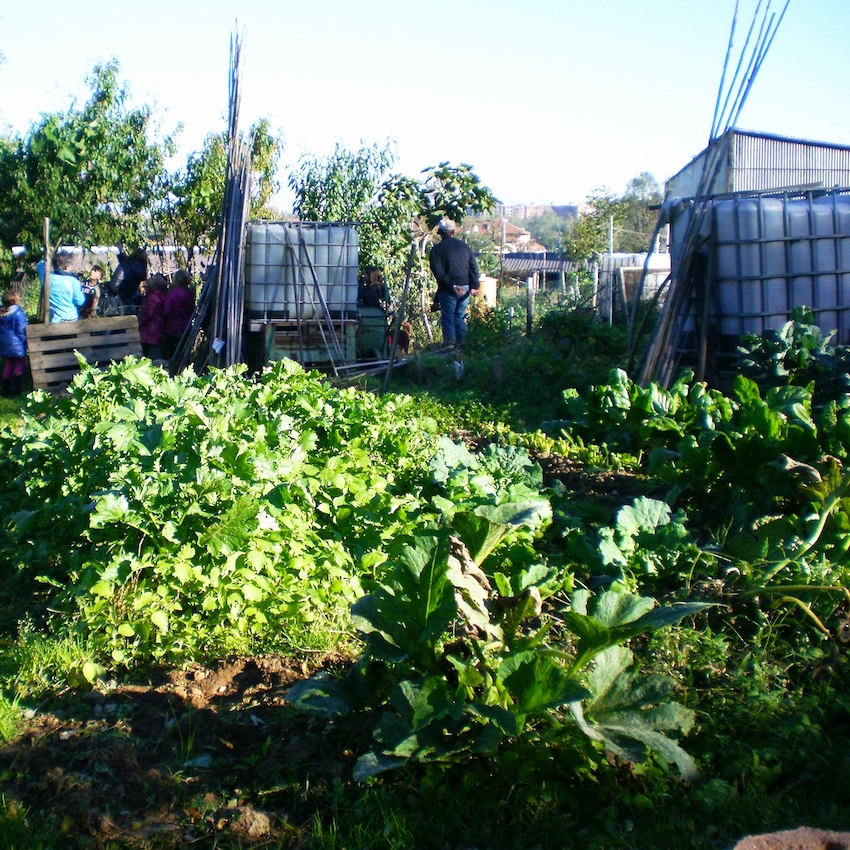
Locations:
(588, 234)
(391, 209)
(357, 186)
(548, 229)
(196, 195)
(341, 186)
(634, 234)
(92, 171)
(453, 192)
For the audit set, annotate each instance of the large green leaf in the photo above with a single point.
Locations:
(531, 511)
(617, 617)
(538, 682)
(628, 712)
(618, 609)
(479, 533)
(372, 763)
(230, 532)
(508, 722)
(449, 458)
(405, 616)
(323, 695)
(421, 703)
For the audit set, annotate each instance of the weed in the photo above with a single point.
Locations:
(10, 718)
(19, 830)
(182, 730)
(36, 662)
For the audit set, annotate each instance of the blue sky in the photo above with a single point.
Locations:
(547, 99)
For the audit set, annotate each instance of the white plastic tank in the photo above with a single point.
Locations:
(300, 269)
(774, 254)
(488, 289)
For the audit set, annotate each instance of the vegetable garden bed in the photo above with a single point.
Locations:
(302, 616)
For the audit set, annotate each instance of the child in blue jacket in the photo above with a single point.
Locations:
(13, 342)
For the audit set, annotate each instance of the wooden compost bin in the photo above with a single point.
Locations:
(101, 341)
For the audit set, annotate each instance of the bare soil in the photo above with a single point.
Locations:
(176, 757)
(609, 488)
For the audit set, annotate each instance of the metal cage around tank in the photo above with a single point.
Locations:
(301, 291)
(763, 256)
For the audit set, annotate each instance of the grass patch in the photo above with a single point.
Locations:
(35, 663)
(10, 718)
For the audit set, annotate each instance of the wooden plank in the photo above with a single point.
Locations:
(82, 329)
(51, 347)
(44, 380)
(107, 349)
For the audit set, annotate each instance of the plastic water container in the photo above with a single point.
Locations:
(773, 255)
(300, 269)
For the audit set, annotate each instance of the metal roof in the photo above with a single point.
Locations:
(536, 262)
(761, 162)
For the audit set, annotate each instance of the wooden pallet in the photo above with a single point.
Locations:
(100, 341)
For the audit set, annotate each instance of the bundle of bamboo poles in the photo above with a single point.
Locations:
(214, 334)
(688, 293)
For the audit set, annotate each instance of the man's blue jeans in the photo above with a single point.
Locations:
(453, 319)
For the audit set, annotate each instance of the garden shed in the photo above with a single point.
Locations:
(761, 162)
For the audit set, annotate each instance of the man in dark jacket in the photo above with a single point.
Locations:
(456, 271)
(126, 278)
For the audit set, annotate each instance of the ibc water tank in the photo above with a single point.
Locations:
(291, 271)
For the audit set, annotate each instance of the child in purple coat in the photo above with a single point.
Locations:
(177, 311)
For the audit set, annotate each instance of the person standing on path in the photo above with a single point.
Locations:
(453, 265)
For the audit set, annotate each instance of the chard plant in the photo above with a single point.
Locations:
(462, 653)
(798, 353)
(762, 475)
(732, 460)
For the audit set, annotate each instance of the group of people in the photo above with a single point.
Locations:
(163, 311)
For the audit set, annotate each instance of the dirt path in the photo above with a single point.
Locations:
(190, 753)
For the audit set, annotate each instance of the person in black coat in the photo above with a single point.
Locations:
(453, 265)
(125, 280)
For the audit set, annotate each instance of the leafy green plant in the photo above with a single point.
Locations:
(458, 669)
(736, 457)
(798, 353)
(647, 548)
(459, 655)
(187, 515)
